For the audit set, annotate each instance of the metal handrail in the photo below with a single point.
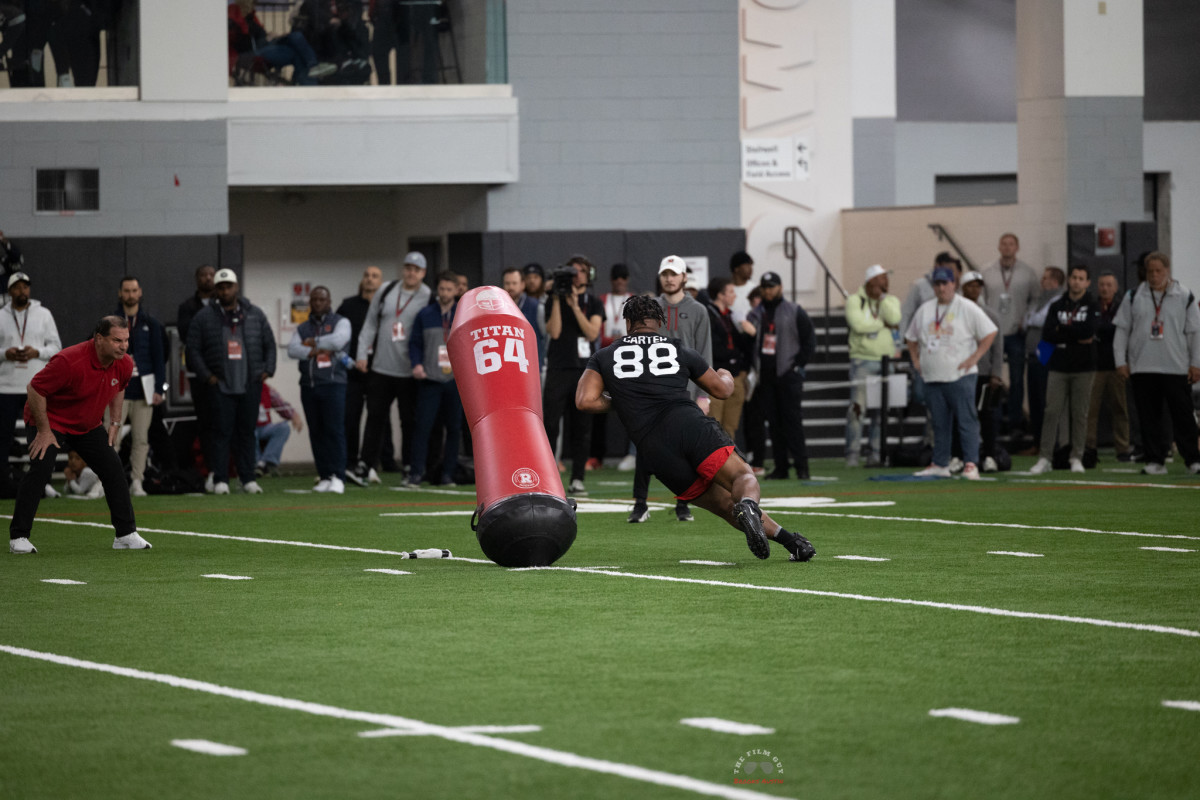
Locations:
(944, 234)
(789, 251)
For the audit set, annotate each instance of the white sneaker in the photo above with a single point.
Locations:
(852, 461)
(322, 486)
(1042, 466)
(970, 472)
(577, 487)
(131, 541)
(990, 465)
(21, 546)
(252, 488)
(956, 465)
(51, 492)
(220, 488)
(1154, 469)
(96, 491)
(209, 487)
(628, 463)
(1077, 465)
(373, 476)
(1194, 468)
(136, 489)
(933, 471)
(336, 486)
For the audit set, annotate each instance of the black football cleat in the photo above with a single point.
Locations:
(749, 519)
(801, 549)
(640, 513)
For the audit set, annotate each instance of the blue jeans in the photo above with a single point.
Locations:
(271, 439)
(325, 407)
(860, 369)
(1014, 354)
(432, 395)
(953, 403)
(292, 49)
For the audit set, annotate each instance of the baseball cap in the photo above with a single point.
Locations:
(942, 274)
(971, 277)
(770, 279)
(17, 277)
(225, 276)
(416, 259)
(874, 271)
(674, 264)
(534, 269)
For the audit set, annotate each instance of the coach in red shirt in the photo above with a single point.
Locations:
(66, 409)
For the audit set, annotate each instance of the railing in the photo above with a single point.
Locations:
(944, 235)
(790, 252)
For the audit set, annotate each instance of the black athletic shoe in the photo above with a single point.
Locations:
(801, 549)
(358, 475)
(683, 513)
(749, 519)
(776, 475)
(640, 513)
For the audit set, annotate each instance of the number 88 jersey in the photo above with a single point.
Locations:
(647, 375)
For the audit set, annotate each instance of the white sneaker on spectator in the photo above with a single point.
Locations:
(336, 486)
(130, 541)
(252, 488)
(322, 70)
(1194, 468)
(933, 471)
(970, 472)
(1042, 466)
(628, 463)
(51, 492)
(322, 486)
(373, 476)
(990, 465)
(1077, 465)
(577, 487)
(96, 491)
(1154, 469)
(220, 488)
(137, 490)
(852, 460)
(21, 546)
(209, 487)
(956, 465)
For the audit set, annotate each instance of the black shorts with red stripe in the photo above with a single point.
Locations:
(685, 451)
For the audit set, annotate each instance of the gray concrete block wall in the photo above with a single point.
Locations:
(874, 162)
(138, 163)
(629, 115)
(1104, 169)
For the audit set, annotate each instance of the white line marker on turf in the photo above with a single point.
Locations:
(383, 732)
(971, 715)
(1108, 483)
(726, 726)
(1186, 705)
(1168, 549)
(228, 577)
(546, 754)
(64, 581)
(702, 562)
(389, 571)
(208, 748)
(1017, 553)
(996, 612)
(862, 558)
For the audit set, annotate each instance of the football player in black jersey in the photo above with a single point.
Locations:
(644, 376)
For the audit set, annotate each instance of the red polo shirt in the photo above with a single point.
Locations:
(77, 388)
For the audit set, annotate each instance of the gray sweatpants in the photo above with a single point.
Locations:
(1066, 392)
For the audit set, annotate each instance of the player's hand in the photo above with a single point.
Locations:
(573, 300)
(114, 431)
(213, 380)
(30, 352)
(156, 399)
(419, 372)
(361, 365)
(40, 444)
(1123, 371)
(309, 342)
(995, 382)
(724, 373)
(297, 424)
(12, 353)
(1193, 374)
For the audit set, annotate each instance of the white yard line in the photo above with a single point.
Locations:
(1017, 553)
(1109, 483)
(546, 754)
(1168, 549)
(64, 581)
(702, 562)
(253, 539)
(997, 612)
(1013, 525)
(385, 732)
(971, 715)
(1186, 705)
(389, 571)
(208, 748)
(224, 577)
(726, 726)
(862, 558)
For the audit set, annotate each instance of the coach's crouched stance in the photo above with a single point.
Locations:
(65, 411)
(644, 377)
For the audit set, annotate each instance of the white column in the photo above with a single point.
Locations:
(183, 46)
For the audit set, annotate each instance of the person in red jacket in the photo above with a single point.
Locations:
(65, 411)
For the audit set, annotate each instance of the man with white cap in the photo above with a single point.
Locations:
(871, 314)
(29, 339)
(232, 351)
(385, 334)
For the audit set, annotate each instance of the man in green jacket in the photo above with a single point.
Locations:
(871, 314)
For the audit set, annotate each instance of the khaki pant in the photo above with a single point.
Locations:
(139, 414)
(728, 412)
(1066, 393)
(1109, 386)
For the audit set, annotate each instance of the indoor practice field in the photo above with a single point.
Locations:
(1027, 636)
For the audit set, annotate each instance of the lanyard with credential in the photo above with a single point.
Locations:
(400, 308)
(20, 326)
(937, 319)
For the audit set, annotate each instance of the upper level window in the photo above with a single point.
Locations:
(68, 190)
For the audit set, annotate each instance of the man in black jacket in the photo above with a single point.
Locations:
(149, 385)
(1109, 386)
(354, 308)
(188, 310)
(1070, 327)
(232, 350)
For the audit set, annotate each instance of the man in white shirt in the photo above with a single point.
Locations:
(946, 338)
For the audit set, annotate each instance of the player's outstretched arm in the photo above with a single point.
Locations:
(589, 393)
(717, 383)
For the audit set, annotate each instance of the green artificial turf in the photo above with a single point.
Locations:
(609, 664)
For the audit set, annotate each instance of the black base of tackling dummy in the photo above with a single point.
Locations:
(527, 530)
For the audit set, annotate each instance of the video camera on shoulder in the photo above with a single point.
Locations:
(563, 278)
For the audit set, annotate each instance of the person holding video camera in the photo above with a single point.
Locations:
(574, 317)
